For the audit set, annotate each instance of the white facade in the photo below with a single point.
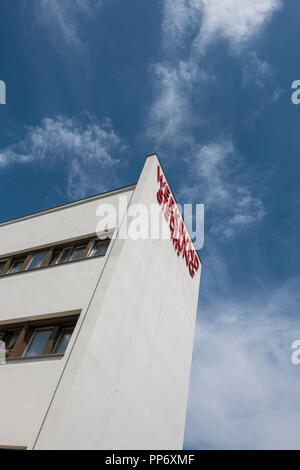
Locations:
(123, 380)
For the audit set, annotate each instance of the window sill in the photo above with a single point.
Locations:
(25, 358)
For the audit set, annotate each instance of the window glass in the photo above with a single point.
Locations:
(38, 342)
(10, 339)
(55, 257)
(16, 266)
(63, 341)
(78, 252)
(37, 260)
(100, 248)
(64, 255)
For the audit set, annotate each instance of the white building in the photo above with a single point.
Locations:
(98, 333)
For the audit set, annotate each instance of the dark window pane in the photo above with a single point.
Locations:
(78, 253)
(38, 342)
(65, 255)
(9, 338)
(55, 257)
(100, 248)
(63, 341)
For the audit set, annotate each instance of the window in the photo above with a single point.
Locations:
(63, 340)
(37, 260)
(60, 256)
(11, 339)
(64, 256)
(38, 342)
(16, 266)
(38, 338)
(55, 255)
(78, 253)
(100, 248)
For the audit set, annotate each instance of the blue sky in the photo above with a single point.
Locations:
(95, 85)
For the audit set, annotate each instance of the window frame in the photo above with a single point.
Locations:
(4, 262)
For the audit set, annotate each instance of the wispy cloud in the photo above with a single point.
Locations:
(256, 71)
(189, 28)
(230, 205)
(171, 114)
(245, 391)
(63, 19)
(82, 149)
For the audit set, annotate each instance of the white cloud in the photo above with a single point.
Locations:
(245, 391)
(83, 149)
(234, 20)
